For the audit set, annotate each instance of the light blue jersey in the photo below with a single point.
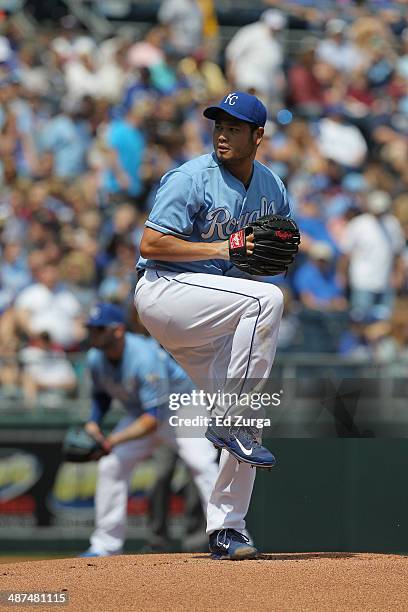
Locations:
(141, 381)
(201, 201)
(178, 380)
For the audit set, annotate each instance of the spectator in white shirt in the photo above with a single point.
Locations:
(47, 306)
(337, 51)
(255, 57)
(80, 72)
(341, 141)
(373, 243)
(46, 369)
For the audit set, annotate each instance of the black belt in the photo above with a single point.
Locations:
(140, 274)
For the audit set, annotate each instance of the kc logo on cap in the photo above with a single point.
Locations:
(95, 312)
(231, 99)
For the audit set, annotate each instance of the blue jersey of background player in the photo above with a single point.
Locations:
(178, 381)
(201, 201)
(132, 369)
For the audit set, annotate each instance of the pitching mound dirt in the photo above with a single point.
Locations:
(304, 581)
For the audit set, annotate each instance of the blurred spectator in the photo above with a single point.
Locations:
(340, 141)
(305, 91)
(184, 22)
(47, 373)
(147, 52)
(111, 69)
(47, 306)
(341, 213)
(316, 283)
(369, 32)
(121, 227)
(32, 75)
(78, 273)
(313, 225)
(364, 336)
(14, 272)
(80, 69)
(359, 99)
(255, 58)
(204, 77)
(287, 145)
(142, 87)
(373, 243)
(125, 147)
(120, 276)
(337, 50)
(67, 137)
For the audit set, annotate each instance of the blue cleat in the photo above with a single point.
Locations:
(96, 553)
(243, 443)
(231, 544)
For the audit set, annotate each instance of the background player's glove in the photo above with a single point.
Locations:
(276, 243)
(79, 446)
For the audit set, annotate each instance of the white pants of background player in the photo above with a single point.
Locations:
(115, 469)
(219, 329)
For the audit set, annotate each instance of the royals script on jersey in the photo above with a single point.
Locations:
(201, 202)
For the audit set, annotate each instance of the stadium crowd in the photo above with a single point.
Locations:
(89, 127)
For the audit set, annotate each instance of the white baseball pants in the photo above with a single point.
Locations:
(219, 329)
(114, 472)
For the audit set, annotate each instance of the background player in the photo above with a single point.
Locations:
(136, 371)
(222, 330)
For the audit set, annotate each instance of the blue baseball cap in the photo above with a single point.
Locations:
(240, 105)
(103, 315)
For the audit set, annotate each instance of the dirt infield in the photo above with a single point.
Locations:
(180, 582)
